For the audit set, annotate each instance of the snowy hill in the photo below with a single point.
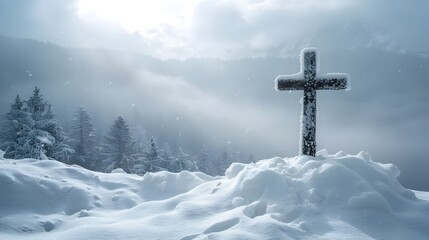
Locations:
(328, 197)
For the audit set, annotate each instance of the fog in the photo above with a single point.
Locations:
(212, 82)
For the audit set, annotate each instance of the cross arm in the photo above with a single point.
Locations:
(334, 81)
(289, 84)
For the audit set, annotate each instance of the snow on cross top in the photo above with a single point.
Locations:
(300, 75)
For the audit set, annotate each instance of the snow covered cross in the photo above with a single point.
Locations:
(309, 80)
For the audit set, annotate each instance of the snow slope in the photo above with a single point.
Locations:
(328, 197)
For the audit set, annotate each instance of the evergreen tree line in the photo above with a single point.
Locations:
(29, 130)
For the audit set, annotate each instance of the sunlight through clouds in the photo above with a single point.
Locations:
(207, 28)
(142, 16)
(135, 15)
(238, 28)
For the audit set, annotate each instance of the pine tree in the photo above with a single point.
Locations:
(36, 106)
(38, 134)
(11, 126)
(83, 139)
(224, 162)
(180, 161)
(98, 156)
(204, 162)
(167, 157)
(56, 148)
(118, 147)
(46, 139)
(153, 157)
(184, 162)
(150, 160)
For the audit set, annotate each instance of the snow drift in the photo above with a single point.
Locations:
(327, 197)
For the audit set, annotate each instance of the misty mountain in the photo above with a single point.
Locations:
(232, 103)
(352, 35)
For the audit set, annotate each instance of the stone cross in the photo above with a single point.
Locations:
(309, 80)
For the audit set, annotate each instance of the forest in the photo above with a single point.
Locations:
(30, 130)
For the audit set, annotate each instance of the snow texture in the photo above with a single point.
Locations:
(300, 75)
(324, 197)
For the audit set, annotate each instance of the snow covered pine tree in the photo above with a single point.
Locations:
(84, 140)
(151, 160)
(118, 147)
(12, 124)
(183, 162)
(37, 134)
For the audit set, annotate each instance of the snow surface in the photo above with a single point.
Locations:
(324, 197)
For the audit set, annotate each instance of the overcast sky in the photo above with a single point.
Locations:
(205, 28)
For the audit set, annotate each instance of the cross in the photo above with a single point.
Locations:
(309, 80)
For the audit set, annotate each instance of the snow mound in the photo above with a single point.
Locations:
(325, 197)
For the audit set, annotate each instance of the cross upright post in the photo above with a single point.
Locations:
(309, 80)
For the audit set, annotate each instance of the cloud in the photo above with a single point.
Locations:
(206, 28)
(231, 29)
(57, 21)
(251, 28)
